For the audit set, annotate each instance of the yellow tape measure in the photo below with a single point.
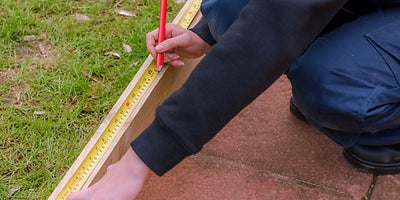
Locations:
(103, 143)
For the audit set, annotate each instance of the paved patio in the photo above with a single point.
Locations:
(266, 153)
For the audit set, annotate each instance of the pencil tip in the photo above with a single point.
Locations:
(158, 68)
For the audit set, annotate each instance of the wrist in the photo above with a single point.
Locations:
(133, 165)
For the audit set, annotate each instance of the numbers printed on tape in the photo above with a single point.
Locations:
(103, 143)
(189, 14)
(100, 147)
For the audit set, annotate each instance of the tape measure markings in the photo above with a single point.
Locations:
(103, 143)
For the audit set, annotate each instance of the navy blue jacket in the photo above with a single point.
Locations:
(253, 52)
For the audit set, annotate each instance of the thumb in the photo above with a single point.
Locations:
(171, 44)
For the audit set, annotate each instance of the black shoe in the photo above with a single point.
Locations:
(295, 111)
(379, 160)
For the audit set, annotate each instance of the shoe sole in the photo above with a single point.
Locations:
(364, 166)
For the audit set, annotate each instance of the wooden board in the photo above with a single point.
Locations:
(166, 82)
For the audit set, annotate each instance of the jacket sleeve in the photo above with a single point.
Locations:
(255, 51)
(203, 31)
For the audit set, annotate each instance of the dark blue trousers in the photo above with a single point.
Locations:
(347, 82)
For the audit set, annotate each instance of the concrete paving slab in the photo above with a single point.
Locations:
(387, 187)
(203, 177)
(266, 153)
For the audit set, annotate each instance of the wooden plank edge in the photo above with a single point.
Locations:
(130, 130)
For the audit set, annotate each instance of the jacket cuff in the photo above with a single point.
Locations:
(158, 149)
(203, 31)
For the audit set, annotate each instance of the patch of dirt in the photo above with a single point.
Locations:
(37, 48)
(40, 53)
(33, 48)
(15, 96)
(8, 75)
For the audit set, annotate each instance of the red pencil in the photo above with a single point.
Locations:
(161, 32)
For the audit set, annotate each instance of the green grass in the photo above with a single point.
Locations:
(56, 88)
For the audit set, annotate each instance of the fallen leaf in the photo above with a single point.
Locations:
(126, 13)
(81, 17)
(39, 112)
(127, 48)
(115, 54)
(30, 37)
(14, 190)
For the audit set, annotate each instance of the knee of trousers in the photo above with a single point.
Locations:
(348, 79)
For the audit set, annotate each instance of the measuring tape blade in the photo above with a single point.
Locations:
(102, 144)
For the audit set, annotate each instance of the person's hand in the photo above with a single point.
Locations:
(179, 43)
(123, 181)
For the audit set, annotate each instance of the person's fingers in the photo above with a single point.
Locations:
(173, 30)
(151, 42)
(175, 39)
(173, 59)
(168, 57)
(177, 63)
(169, 45)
